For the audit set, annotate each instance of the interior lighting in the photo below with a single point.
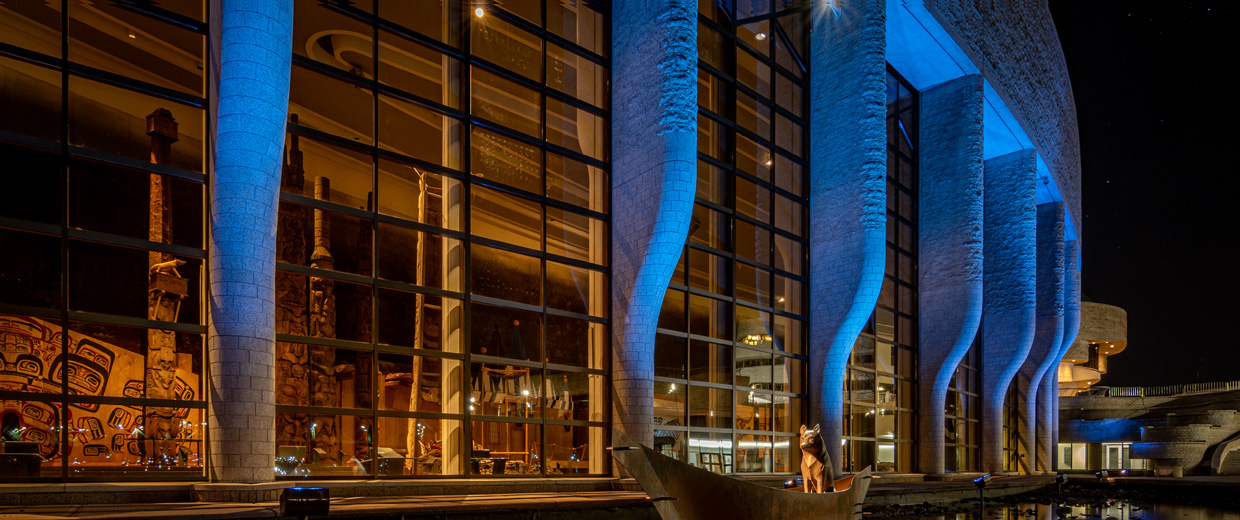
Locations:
(759, 36)
(479, 12)
(132, 35)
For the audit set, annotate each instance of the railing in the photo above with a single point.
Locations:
(1169, 390)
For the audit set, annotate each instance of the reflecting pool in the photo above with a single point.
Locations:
(1112, 510)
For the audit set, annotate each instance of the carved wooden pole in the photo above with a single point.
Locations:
(361, 320)
(165, 292)
(411, 439)
(325, 432)
(292, 384)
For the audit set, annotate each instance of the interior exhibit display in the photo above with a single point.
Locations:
(354, 239)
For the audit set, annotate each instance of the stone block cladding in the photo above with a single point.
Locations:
(1103, 430)
(847, 196)
(254, 53)
(1071, 325)
(1008, 285)
(1047, 338)
(950, 248)
(1016, 47)
(654, 180)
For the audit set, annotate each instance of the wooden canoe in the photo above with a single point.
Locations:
(684, 492)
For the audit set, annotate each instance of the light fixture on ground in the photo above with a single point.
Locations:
(305, 501)
(981, 483)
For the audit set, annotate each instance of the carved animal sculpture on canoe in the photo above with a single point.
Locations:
(815, 463)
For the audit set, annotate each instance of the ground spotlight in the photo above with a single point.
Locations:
(981, 483)
(1060, 480)
(302, 502)
(796, 482)
(1102, 475)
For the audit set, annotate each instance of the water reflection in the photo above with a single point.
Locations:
(1112, 510)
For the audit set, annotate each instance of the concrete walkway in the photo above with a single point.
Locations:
(901, 490)
(369, 507)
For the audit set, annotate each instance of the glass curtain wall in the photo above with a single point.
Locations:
(730, 355)
(101, 283)
(880, 390)
(1013, 459)
(962, 412)
(442, 285)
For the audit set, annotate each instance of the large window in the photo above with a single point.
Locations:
(880, 390)
(962, 413)
(101, 280)
(730, 355)
(1013, 417)
(442, 285)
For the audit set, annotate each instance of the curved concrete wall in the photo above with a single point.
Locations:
(950, 249)
(1009, 275)
(848, 211)
(1048, 336)
(251, 66)
(1103, 430)
(654, 173)
(1016, 47)
(1071, 325)
(1099, 323)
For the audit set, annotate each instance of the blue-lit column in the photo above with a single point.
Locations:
(654, 178)
(1071, 326)
(1008, 285)
(252, 51)
(848, 215)
(1048, 338)
(949, 249)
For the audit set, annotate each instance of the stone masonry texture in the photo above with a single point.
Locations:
(1048, 336)
(654, 179)
(1008, 287)
(1016, 47)
(252, 63)
(949, 222)
(1071, 326)
(847, 196)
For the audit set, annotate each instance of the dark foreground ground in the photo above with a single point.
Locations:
(889, 498)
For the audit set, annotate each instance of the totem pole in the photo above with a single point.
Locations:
(165, 292)
(324, 430)
(361, 319)
(292, 362)
(411, 436)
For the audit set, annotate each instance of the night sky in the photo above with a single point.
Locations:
(1158, 159)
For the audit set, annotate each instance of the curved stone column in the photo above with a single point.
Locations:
(949, 223)
(654, 179)
(1008, 285)
(250, 76)
(848, 214)
(1071, 326)
(1048, 337)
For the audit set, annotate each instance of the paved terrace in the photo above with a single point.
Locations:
(498, 498)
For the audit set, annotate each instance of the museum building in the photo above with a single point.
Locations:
(252, 240)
